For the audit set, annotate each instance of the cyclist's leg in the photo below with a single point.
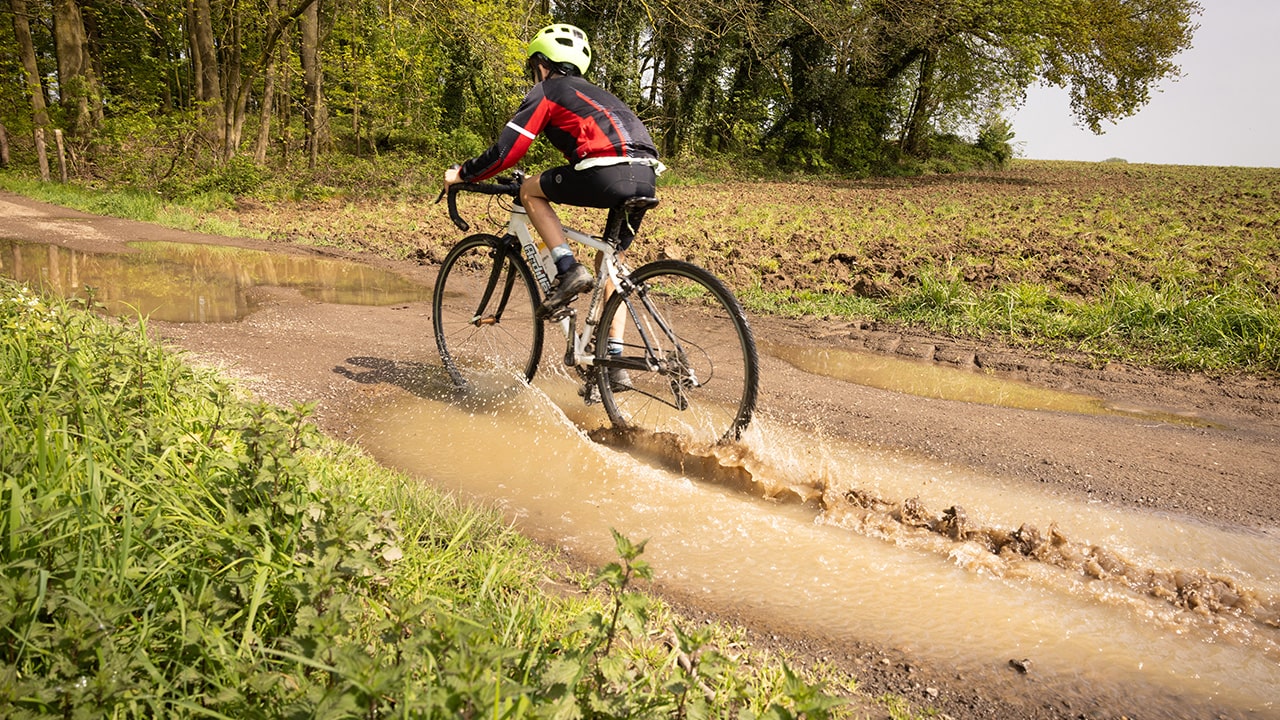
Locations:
(617, 329)
(617, 184)
(542, 215)
(630, 224)
(571, 278)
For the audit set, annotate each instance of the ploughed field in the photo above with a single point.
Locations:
(1073, 228)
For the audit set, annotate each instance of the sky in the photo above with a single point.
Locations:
(1224, 110)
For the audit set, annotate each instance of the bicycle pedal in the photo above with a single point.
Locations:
(589, 393)
(554, 314)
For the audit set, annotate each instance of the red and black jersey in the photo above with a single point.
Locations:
(580, 119)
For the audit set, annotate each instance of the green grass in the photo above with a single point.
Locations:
(1227, 329)
(194, 212)
(1173, 326)
(169, 548)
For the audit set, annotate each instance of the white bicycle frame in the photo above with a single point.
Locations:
(608, 266)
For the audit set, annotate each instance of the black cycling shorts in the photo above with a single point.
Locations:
(602, 187)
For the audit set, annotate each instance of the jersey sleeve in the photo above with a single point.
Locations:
(514, 140)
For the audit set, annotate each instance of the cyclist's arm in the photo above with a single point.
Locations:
(514, 140)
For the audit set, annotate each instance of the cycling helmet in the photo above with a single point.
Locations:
(562, 43)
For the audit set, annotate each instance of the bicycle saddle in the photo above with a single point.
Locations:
(640, 202)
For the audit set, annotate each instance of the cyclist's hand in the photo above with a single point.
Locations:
(450, 178)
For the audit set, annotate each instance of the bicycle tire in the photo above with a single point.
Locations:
(484, 314)
(707, 389)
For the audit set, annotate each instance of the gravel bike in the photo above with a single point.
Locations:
(687, 348)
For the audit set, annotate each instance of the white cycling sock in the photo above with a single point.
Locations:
(563, 257)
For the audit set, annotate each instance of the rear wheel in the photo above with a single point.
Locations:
(484, 312)
(688, 351)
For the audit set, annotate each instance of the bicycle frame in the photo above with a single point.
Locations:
(609, 266)
(665, 368)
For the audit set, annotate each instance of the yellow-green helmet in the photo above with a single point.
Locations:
(561, 43)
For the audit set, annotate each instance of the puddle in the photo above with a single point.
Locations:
(178, 282)
(929, 380)
(768, 529)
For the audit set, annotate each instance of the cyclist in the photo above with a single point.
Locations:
(611, 156)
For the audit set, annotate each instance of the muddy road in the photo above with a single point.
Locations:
(1175, 450)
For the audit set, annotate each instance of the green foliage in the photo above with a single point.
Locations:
(167, 550)
(161, 545)
(803, 87)
(237, 176)
(952, 154)
(1110, 56)
(995, 138)
(1200, 331)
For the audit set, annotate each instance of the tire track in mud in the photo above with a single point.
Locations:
(950, 532)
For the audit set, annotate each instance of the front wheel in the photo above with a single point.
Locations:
(687, 351)
(484, 312)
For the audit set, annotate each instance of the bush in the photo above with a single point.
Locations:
(996, 139)
(237, 177)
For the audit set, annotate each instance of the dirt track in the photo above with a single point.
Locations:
(1226, 472)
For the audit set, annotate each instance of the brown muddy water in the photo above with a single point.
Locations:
(811, 533)
(178, 282)
(927, 379)
(837, 539)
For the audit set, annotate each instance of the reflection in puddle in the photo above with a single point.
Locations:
(179, 282)
(944, 383)
(777, 549)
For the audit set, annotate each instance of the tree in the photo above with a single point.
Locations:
(1110, 52)
(208, 75)
(31, 73)
(313, 108)
(267, 105)
(805, 84)
(78, 90)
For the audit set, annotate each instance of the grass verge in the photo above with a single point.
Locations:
(1171, 325)
(171, 549)
(193, 213)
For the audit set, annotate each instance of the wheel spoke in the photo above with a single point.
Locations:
(483, 313)
(689, 353)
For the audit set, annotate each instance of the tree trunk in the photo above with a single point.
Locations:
(268, 98)
(314, 111)
(195, 82)
(915, 134)
(668, 85)
(285, 106)
(210, 84)
(231, 78)
(39, 112)
(4, 147)
(702, 74)
(77, 87)
(264, 115)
